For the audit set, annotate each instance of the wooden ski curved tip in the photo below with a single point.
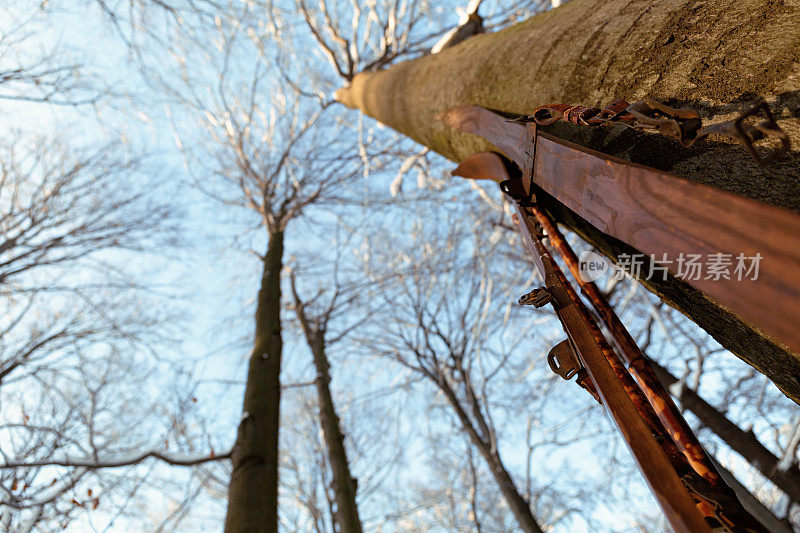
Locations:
(482, 166)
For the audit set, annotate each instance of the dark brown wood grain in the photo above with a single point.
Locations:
(618, 393)
(661, 214)
(657, 395)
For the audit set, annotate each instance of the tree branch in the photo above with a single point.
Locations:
(115, 462)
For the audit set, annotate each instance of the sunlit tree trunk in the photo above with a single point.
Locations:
(719, 57)
(253, 491)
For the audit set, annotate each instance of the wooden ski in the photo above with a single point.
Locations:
(663, 216)
(683, 479)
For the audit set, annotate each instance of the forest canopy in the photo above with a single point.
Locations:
(231, 302)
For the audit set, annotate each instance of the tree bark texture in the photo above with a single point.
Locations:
(343, 484)
(717, 56)
(742, 442)
(253, 490)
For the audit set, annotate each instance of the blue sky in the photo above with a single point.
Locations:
(210, 282)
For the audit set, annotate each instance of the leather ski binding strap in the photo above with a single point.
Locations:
(749, 134)
(685, 125)
(681, 124)
(716, 500)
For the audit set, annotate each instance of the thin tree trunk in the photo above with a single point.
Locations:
(473, 491)
(719, 57)
(519, 506)
(752, 504)
(253, 490)
(790, 454)
(343, 484)
(742, 442)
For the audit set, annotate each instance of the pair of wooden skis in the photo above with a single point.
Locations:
(599, 351)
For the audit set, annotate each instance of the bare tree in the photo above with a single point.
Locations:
(376, 451)
(63, 211)
(274, 153)
(355, 37)
(40, 68)
(366, 37)
(34, 69)
(315, 325)
(86, 419)
(76, 334)
(83, 431)
(62, 205)
(437, 323)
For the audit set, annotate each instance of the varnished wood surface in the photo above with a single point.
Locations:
(509, 137)
(653, 462)
(482, 165)
(659, 213)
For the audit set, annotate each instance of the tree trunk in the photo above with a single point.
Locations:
(719, 57)
(519, 506)
(742, 442)
(344, 486)
(253, 491)
(752, 504)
